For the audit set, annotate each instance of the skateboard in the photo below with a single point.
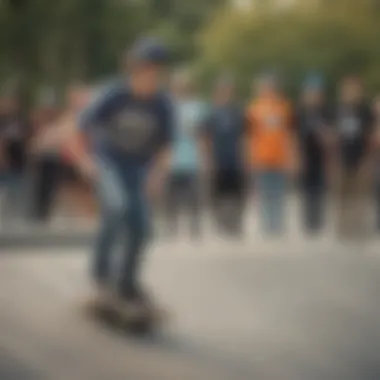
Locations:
(112, 315)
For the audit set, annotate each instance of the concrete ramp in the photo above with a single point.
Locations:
(237, 315)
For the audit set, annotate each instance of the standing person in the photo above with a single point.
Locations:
(224, 131)
(46, 161)
(14, 135)
(312, 120)
(129, 129)
(354, 125)
(271, 144)
(77, 194)
(183, 184)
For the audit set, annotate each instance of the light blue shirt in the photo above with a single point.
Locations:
(188, 119)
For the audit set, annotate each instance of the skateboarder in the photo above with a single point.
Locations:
(129, 129)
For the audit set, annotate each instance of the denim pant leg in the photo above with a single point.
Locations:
(18, 195)
(114, 202)
(313, 207)
(193, 204)
(136, 240)
(272, 188)
(13, 203)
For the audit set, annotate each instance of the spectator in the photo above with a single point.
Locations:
(183, 185)
(224, 129)
(14, 133)
(270, 145)
(76, 192)
(312, 123)
(354, 125)
(46, 163)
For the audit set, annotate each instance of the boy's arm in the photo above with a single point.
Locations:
(54, 135)
(90, 119)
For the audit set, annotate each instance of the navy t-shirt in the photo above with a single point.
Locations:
(224, 128)
(354, 124)
(311, 121)
(127, 130)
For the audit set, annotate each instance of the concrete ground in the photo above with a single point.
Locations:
(258, 309)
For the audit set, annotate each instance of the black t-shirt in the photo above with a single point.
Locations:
(225, 128)
(13, 134)
(310, 124)
(354, 124)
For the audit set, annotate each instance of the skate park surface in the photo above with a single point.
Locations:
(281, 310)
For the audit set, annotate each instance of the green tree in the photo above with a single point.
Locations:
(334, 38)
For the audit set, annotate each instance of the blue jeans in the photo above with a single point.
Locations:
(124, 215)
(314, 202)
(271, 186)
(14, 184)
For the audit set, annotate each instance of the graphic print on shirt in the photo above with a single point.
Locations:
(349, 126)
(133, 129)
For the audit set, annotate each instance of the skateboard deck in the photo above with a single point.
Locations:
(110, 314)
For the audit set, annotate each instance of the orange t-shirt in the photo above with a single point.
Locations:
(269, 130)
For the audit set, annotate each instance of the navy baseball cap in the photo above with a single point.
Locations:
(149, 50)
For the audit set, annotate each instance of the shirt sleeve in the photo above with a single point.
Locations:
(297, 121)
(207, 124)
(167, 127)
(99, 111)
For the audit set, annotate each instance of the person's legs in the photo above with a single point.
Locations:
(16, 195)
(138, 232)
(222, 201)
(46, 180)
(193, 203)
(6, 209)
(113, 201)
(272, 189)
(172, 204)
(236, 196)
(313, 206)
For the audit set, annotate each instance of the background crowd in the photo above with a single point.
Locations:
(268, 146)
(253, 131)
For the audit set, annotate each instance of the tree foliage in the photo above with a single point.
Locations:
(57, 42)
(334, 37)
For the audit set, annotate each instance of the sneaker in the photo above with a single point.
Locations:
(139, 304)
(101, 295)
